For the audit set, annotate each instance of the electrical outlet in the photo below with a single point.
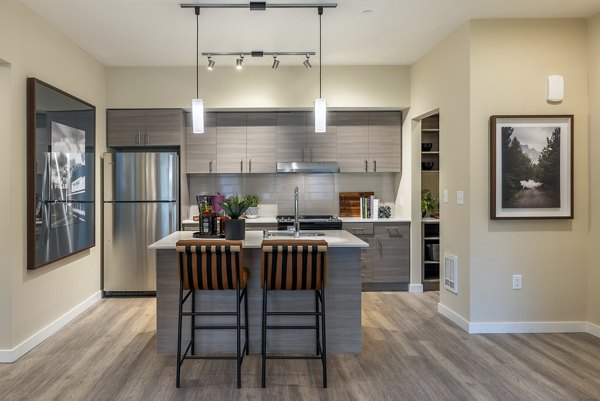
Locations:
(517, 282)
(460, 197)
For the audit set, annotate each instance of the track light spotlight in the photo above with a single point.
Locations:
(239, 61)
(211, 64)
(307, 62)
(275, 62)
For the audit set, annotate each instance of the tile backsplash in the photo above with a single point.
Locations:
(318, 192)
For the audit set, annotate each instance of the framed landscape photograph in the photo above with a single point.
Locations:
(61, 141)
(531, 167)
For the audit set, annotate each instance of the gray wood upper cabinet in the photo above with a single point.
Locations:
(291, 136)
(201, 149)
(321, 146)
(369, 141)
(150, 127)
(353, 141)
(385, 141)
(261, 142)
(231, 142)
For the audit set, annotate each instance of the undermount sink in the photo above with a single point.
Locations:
(290, 234)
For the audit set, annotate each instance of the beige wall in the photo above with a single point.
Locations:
(35, 50)
(594, 179)
(5, 262)
(256, 87)
(440, 80)
(510, 60)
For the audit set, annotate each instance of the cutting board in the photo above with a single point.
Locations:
(350, 203)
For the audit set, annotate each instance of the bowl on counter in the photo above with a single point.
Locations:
(427, 165)
(426, 146)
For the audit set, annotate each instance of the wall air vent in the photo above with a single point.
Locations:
(451, 272)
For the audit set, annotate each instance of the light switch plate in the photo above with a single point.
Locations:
(401, 201)
(445, 196)
(460, 197)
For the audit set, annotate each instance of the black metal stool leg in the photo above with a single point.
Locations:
(264, 336)
(324, 344)
(178, 375)
(193, 325)
(238, 335)
(317, 319)
(246, 320)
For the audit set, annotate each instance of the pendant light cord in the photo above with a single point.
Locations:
(320, 52)
(197, 60)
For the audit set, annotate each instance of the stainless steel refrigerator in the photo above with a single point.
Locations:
(141, 205)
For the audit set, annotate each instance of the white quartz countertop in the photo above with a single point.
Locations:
(272, 220)
(334, 238)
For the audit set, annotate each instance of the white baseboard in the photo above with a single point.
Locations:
(593, 329)
(11, 355)
(415, 288)
(527, 327)
(454, 317)
(518, 327)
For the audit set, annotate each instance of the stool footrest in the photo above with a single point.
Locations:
(292, 357)
(209, 314)
(294, 313)
(291, 327)
(218, 327)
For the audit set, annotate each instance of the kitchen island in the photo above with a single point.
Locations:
(343, 300)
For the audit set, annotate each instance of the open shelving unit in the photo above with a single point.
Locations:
(430, 179)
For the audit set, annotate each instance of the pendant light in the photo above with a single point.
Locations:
(197, 103)
(320, 105)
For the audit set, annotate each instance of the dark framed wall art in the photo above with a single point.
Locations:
(531, 167)
(61, 136)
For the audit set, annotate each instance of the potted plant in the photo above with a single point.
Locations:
(252, 201)
(428, 202)
(234, 207)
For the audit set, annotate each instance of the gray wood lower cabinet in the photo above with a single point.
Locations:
(144, 127)
(386, 262)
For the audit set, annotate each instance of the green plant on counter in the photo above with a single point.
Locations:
(234, 207)
(428, 202)
(252, 200)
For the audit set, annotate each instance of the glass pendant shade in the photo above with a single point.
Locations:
(198, 116)
(320, 115)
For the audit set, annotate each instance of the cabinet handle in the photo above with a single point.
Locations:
(139, 141)
(302, 154)
(366, 166)
(357, 228)
(310, 154)
(242, 166)
(250, 165)
(389, 229)
(375, 166)
(148, 138)
(210, 166)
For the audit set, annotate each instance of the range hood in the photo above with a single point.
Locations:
(308, 167)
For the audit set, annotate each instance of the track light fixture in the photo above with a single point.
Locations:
(307, 62)
(275, 62)
(239, 61)
(211, 63)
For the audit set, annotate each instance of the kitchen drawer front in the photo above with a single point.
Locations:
(358, 229)
(393, 230)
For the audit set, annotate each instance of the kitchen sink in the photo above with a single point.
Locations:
(290, 234)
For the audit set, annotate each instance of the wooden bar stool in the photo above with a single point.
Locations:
(291, 265)
(211, 265)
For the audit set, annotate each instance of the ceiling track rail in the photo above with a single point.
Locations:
(259, 5)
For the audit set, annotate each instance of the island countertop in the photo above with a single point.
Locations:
(334, 238)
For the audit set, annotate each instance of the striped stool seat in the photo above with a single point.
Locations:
(206, 265)
(291, 265)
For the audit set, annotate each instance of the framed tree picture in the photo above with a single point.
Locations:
(531, 167)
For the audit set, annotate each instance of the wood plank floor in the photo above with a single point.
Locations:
(409, 353)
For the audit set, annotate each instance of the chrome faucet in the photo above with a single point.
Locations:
(296, 220)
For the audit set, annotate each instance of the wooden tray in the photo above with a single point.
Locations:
(350, 203)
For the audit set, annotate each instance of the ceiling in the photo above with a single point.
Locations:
(393, 32)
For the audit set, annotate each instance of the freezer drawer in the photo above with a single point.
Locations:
(128, 230)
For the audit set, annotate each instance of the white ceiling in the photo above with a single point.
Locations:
(396, 32)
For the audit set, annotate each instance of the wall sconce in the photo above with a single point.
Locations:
(555, 88)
